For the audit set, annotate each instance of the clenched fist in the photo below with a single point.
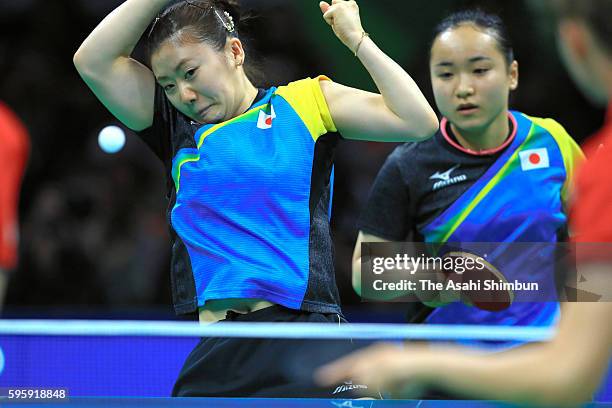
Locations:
(343, 17)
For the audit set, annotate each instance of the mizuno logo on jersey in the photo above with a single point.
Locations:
(445, 179)
(532, 159)
(347, 386)
(443, 176)
(348, 404)
(264, 121)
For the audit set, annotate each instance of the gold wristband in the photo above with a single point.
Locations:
(363, 35)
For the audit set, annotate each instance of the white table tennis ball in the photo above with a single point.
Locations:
(111, 139)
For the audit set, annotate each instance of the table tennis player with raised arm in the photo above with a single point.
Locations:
(567, 370)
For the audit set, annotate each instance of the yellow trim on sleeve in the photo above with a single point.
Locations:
(306, 98)
(571, 152)
(322, 103)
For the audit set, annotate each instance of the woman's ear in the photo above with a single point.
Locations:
(514, 75)
(236, 50)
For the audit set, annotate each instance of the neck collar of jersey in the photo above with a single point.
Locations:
(453, 142)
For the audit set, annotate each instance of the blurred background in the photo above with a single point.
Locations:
(93, 232)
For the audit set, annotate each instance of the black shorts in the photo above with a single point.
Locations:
(265, 368)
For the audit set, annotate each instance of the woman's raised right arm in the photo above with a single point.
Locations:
(125, 86)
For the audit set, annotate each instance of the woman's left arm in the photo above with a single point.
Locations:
(563, 372)
(399, 113)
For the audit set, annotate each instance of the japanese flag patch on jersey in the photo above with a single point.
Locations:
(264, 121)
(534, 159)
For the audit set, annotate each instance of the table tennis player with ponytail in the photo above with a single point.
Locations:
(249, 171)
(490, 175)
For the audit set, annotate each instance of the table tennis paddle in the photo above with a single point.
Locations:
(493, 300)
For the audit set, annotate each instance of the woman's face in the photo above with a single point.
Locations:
(199, 81)
(470, 78)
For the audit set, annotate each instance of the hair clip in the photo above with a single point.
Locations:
(229, 24)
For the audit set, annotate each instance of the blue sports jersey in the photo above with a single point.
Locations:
(251, 201)
(520, 198)
(438, 193)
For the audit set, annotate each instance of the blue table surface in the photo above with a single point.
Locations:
(258, 403)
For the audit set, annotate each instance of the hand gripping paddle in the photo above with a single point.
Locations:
(475, 281)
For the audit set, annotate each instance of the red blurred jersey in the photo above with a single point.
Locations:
(591, 214)
(14, 149)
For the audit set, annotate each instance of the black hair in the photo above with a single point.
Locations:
(210, 21)
(491, 23)
(595, 13)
